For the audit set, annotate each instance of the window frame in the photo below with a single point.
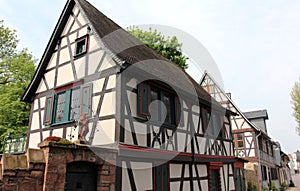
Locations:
(67, 105)
(237, 141)
(209, 121)
(50, 111)
(79, 40)
(176, 111)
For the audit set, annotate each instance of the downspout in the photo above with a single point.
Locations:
(258, 156)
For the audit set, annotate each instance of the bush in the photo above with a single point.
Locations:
(273, 187)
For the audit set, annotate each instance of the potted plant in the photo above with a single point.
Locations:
(273, 187)
(283, 186)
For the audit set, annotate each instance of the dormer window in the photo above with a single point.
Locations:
(81, 45)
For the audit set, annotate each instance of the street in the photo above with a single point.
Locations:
(296, 180)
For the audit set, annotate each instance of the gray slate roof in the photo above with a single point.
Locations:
(256, 114)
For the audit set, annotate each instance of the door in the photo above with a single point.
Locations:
(81, 176)
(214, 180)
(161, 177)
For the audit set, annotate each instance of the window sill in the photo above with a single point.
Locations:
(62, 123)
(79, 55)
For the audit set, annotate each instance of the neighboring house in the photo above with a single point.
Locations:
(284, 170)
(295, 162)
(92, 84)
(251, 139)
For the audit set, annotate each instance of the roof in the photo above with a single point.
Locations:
(117, 41)
(228, 96)
(257, 114)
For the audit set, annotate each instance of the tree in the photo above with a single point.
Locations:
(16, 70)
(168, 47)
(295, 95)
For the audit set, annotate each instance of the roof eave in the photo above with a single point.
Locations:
(29, 92)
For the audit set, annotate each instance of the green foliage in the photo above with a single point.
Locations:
(295, 95)
(168, 47)
(273, 187)
(8, 41)
(16, 70)
(283, 186)
(251, 187)
(266, 188)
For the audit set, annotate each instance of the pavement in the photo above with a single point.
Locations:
(296, 180)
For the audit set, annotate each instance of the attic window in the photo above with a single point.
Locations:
(81, 45)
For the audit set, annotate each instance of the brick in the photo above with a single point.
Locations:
(10, 187)
(61, 178)
(57, 159)
(112, 169)
(37, 166)
(35, 155)
(107, 179)
(9, 173)
(112, 187)
(103, 189)
(25, 186)
(36, 173)
(9, 162)
(23, 173)
(51, 168)
(69, 157)
(51, 178)
(22, 162)
(62, 168)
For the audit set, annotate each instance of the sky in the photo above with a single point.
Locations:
(255, 44)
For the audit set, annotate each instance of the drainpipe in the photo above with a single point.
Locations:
(258, 156)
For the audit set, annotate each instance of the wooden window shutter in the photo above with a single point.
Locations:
(143, 99)
(86, 100)
(48, 109)
(179, 112)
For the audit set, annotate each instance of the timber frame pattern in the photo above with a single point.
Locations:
(183, 157)
(250, 142)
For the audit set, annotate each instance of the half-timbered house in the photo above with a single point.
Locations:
(251, 140)
(97, 83)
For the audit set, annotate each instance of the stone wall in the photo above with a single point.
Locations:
(23, 172)
(251, 175)
(46, 168)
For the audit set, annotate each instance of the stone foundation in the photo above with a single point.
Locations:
(46, 168)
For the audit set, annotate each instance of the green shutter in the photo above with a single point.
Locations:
(86, 100)
(158, 178)
(165, 178)
(143, 99)
(48, 109)
(179, 112)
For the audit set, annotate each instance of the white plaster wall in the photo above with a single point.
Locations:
(105, 132)
(34, 140)
(35, 124)
(52, 62)
(142, 173)
(109, 104)
(65, 75)
(42, 87)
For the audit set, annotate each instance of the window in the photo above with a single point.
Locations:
(81, 45)
(212, 124)
(264, 173)
(239, 140)
(274, 174)
(169, 109)
(67, 104)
